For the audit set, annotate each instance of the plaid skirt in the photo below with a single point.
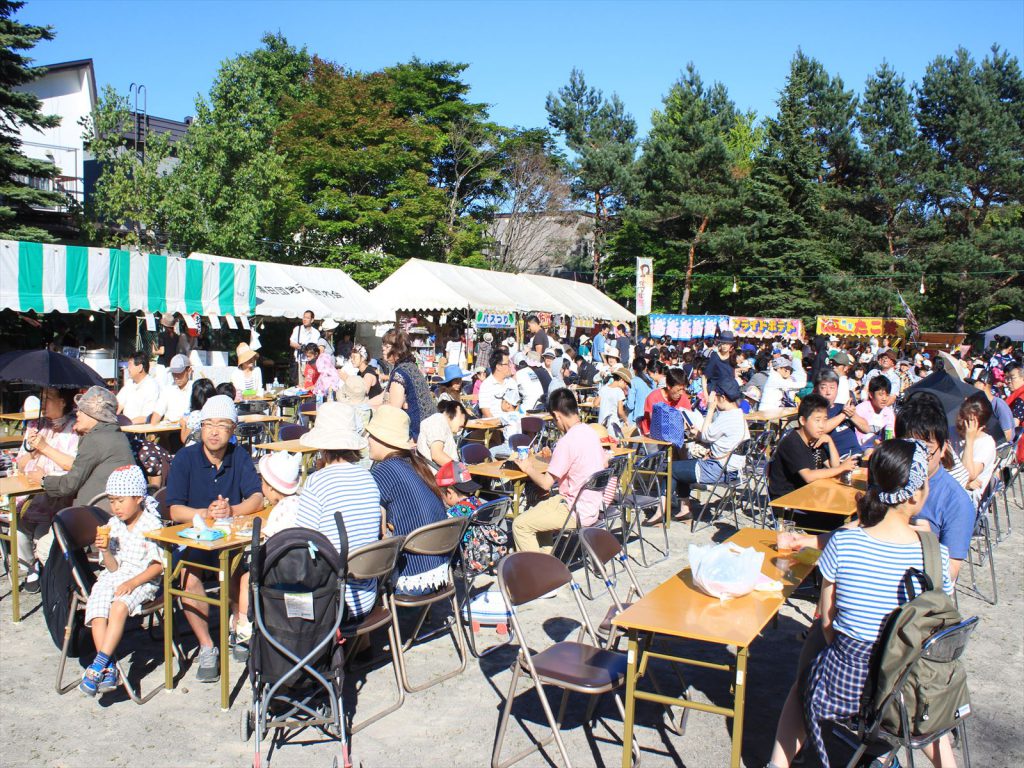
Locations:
(834, 686)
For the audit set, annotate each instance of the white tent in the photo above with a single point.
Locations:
(420, 286)
(1012, 329)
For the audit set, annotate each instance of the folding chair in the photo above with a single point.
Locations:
(566, 544)
(531, 425)
(519, 441)
(981, 545)
(377, 561)
(753, 490)
(493, 513)
(1006, 458)
(475, 453)
(570, 665)
(947, 646)
(74, 529)
(719, 493)
(643, 496)
(291, 431)
(444, 539)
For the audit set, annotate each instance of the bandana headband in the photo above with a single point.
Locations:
(916, 480)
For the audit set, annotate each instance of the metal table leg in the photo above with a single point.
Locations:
(224, 603)
(630, 703)
(738, 705)
(168, 618)
(15, 566)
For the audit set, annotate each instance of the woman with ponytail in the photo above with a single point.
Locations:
(408, 494)
(862, 571)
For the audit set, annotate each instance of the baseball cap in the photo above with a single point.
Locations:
(455, 475)
(841, 358)
(179, 363)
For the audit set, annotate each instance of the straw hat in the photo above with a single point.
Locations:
(353, 391)
(335, 430)
(167, 320)
(624, 374)
(390, 426)
(244, 353)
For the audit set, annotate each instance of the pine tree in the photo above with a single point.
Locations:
(602, 135)
(17, 109)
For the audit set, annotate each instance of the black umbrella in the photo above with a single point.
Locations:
(951, 392)
(47, 369)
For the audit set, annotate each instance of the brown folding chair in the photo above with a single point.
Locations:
(74, 529)
(443, 538)
(377, 561)
(570, 665)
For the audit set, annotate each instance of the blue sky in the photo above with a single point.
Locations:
(518, 52)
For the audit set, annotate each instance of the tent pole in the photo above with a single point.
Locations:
(117, 342)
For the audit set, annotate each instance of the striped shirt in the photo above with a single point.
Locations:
(868, 574)
(409, 504)
(350, 490)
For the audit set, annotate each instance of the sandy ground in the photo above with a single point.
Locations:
(454, 723)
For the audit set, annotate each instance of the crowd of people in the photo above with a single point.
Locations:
(388, 441)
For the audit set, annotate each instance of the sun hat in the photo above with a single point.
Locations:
(841, 358)
(511, 396)
(488, 337)
(329, 324)
(353, 391)
(280, 470)
(31, 407)
(782, 362)
(727, 337)
(100, 403)
(453, 372)
(611, 351)
(752, 393)
(219, 407)
(126, 481)
(584, 339)
(549, 353)
(891, 354)
(179, 364)
(336, 429)
(244, 353)
(167, 320)
(455, 475)
(390, 426)
(624, 374)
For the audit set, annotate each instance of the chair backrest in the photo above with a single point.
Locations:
(600, 543)
(475, 453)
(292, 431)
(520, 441)
(376, 560)
(309, 409)
(493, 512)
(950, 643)
(525, 576)
(74, 528)
(647, 472)
(123, 421)
(162, 506)
(440, 538)
(531, 425)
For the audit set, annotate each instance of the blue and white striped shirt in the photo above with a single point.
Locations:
(868, 574)
(409, 504)
(350, 490)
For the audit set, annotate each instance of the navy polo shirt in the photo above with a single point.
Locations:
(195, 482)
(844, 436)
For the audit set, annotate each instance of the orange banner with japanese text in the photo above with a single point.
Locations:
(832, 325)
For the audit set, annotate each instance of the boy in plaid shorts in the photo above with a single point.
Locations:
(132, 566)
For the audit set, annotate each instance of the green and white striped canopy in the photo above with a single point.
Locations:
(41, 277)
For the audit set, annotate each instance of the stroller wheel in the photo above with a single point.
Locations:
(247, 725)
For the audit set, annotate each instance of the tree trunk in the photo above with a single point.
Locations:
(961, 306)
(688, 283)
(598, 234)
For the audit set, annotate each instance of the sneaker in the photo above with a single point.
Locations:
(240, 653)
(209, 665)
(109, 681)
(90, 680)
(32, 583)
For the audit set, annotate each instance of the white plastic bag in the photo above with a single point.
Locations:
(725, 570)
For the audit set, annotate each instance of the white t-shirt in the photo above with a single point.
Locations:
(455, 352)
(435, 429)
(529, 387)
(492, 392)
(247, 380)
(139, 400)
(174, 401)
(303, 336)
(843, 393)
(984, 453)
(608, 413)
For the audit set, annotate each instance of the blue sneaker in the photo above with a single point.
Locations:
(109, 681)
(90, 682)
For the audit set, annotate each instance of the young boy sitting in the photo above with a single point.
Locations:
(280, 474)
(130, 579)
(484, 545)
(877, 411)
(806, 453)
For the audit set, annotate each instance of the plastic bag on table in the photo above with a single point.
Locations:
(725, 570)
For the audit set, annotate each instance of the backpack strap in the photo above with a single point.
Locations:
(931, 576)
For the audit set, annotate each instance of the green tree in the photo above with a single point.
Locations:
(127, 206)
(21, 109)
(232, 193)
(362, 174)
(688, 183)
(971, 119)
(602, 137)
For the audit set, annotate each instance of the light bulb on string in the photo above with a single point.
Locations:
(735, 285)
(921, 289)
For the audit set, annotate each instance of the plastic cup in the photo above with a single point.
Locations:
(103, 534)
(523, 452)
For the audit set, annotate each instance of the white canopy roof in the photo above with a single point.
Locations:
(1013, 329)
(287, 290)
(419, 286)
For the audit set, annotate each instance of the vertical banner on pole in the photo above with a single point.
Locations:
(644, 286)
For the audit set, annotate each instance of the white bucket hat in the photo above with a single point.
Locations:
(281, 471)
(336, 429)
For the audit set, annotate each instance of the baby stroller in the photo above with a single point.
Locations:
(297, 583)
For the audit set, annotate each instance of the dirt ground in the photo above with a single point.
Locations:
(454, 723)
